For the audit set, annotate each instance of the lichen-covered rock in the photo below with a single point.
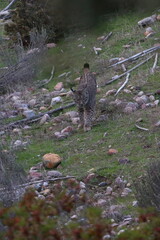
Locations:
(51, 160)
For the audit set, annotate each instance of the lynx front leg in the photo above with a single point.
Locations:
(81, 118)
(88, 117)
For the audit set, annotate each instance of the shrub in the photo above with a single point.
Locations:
(147, 189)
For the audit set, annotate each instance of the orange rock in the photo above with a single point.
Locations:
(51, 160)
(158, 17)
(58, 86)
(112, 151)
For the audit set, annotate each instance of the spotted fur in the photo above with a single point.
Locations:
(85, 98)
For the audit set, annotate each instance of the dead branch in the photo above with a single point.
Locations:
(106, 37)
(35, 118)
(130, 70)
(155, 64)
(9, 5)
(136, 56)
(46, 81)
(123, 85)
(141, 128)
(40, 181)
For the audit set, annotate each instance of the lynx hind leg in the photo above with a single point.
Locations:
(81, 118)
(88, 117)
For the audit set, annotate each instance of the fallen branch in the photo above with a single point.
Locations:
(37, 117)
(106, 37)
(130, 70)
(141, 128)
(46, 81)
(155, 64)
(9, 5)
(123, 85)
(40, 181)
(136, 56)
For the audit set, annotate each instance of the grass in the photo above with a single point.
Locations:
(84, 151)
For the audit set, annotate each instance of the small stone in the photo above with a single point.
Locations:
(54, 174)
(42, 108)
(17, 130)
(112, 151)
(101, 202)
(44, 119)
(135, 203)
(151, 98)
(29, 114)
(74, 217)
(110, 92)
(55, 100)
(58, 86)
(127, 91)
(46, 192)
(34, 175)
(157, 124)
(90, 177)
(123, 160)
(156, 102)
(75, 121)
(40, 197)
(51, 160)
(67, 130)
(82, 185)
(71, 114)
(32, 103)
(120, 182)
(109, 190)
(102, 184)
(51, 45)
(125, 192)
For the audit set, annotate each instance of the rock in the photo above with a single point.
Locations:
(135, 203)
(128, 110)
(68, 130)
(157, 124)
(51, 45)
(44, 119)
(29, 114)
(101, 202)
(60, 136)
(156, 102)
(32, 103)
(107, 236)
(51, 160)
(90, 177)
(123, 160)
(75, 121)
(34, 175)
(82, 185)
(17, 131)
(110, 92)
(119, 182)
(71, 114)
(56, 100)
(125, 192)
(19, 143)
(44, 90)
(46, 192)
(151, 98)
(103, 100)
(142, 99)
(42, 108)
(102, 184)
(58, 86)
(54, 174)
(40, 197)
(109, 191)
(74, 217)
(127, 91)
(140, 94)
(112, 151)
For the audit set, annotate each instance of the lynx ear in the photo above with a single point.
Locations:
(73, 90)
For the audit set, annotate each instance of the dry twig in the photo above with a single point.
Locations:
(155, 64)
(106, 37)
(141, 128)
(130, 70)
(123, 85)
(136, 56)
